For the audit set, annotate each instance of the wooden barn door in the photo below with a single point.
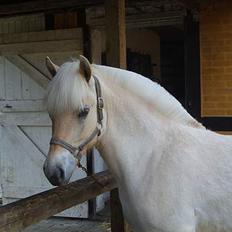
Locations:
(25, 134)
(25, 127)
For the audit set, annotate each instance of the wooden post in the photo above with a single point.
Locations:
(18, 215)
(87, 52)
(117, 219)
(115, 33)
(115, 29)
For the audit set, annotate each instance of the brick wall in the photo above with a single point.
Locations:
(216, 58)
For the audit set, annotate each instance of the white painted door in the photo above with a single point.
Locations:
(25, 133)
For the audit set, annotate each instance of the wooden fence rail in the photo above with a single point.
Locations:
(18, 215)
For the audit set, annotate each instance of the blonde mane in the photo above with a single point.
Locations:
(154, 94)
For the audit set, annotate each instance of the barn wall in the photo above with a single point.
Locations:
(24, 23)
(147, 42)
(143, 41)
(216, 58)
(23, 119)
(24, 134)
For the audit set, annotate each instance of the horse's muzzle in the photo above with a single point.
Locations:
(59, 168)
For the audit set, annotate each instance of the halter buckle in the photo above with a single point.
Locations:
(100, 103)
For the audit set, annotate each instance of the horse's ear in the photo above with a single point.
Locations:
(85, 68)
(52, 68)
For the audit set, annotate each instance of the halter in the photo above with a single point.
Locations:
(76, 151)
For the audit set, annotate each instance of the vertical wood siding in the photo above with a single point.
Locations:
(23, 23)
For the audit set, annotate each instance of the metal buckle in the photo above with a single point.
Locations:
(100, 103)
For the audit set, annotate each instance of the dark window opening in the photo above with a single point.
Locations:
(172, 63)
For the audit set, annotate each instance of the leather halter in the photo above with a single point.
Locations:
(75, 151)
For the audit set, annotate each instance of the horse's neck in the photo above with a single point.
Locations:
(128, 132)
(152, 94)
(133, 127)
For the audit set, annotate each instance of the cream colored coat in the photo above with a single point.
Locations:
(173, 174)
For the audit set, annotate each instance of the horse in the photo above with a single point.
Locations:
(173, 174)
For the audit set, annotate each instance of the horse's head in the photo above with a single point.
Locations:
(74, 110)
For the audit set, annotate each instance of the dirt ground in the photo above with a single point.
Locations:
(69, 225)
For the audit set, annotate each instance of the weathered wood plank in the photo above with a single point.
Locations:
(96, 46)
(50, 35)
(22, 106)
(15, 138)
(22, 23)
(38, 60)
(12, 81)
(30, 89)
(117, 219)
(40, 136)
(25, 119)
(19, 215)
(17, 149)
(144, 20)
(67, 40)
(40, 5)
(28, 146)
(2, 78)
(41, 79)
(40, 47)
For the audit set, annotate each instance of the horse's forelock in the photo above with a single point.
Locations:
(67, 90)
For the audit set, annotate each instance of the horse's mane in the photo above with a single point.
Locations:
(66, 92)
(154, 94)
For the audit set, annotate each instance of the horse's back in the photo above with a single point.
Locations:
(193, 180)
(207, 163)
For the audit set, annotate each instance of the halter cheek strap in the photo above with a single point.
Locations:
(76, 151)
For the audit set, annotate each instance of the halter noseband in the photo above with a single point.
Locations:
(75, 151)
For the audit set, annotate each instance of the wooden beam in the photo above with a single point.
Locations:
(38, 36)
(26, 7)
(33, 6)
(19, 61)
(144, 20)
(115, 33)
(41, 42)
(40, 47)
(117, 219)
(190, 4)
(116, 57)
(16, 216)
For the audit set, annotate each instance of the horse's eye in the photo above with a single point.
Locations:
(83, 112)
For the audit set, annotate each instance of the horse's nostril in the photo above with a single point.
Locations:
(58, 177)
(54, 180)
(62, 174)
